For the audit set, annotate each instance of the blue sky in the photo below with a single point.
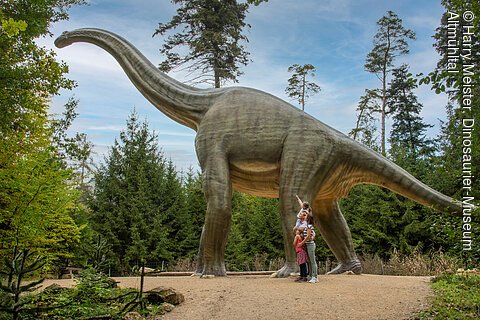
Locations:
(333, 35)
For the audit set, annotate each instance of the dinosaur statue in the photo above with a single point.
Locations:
(256, 143)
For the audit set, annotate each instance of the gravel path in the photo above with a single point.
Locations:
(261, 297)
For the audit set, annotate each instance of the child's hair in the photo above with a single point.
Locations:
(298, 232)
(306, 205)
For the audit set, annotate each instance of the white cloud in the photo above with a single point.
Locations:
(115, 128)
(423, 60)
(423, 21)
(175, 133)
(85, 59)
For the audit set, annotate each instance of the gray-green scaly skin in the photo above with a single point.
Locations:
(256, 143)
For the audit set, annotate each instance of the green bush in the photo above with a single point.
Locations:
(94, 295)
(456, 297)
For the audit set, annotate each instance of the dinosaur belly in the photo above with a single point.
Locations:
(256, 178)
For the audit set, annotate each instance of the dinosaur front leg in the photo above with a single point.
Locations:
(218, 192)
(334, 230)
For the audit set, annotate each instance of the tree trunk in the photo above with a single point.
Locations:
(303, 93)
(217, 79)
(384, 92)
(384, 106)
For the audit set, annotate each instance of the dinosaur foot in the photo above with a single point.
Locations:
(211, 272)
(355, 266)
(285, 271)
(203, 276)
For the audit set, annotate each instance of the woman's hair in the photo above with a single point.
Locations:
(310, 219)
(306, 205)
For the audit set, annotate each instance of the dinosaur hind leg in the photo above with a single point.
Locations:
(218, 192)
(200, 258)
(288, 210)
(334, 230)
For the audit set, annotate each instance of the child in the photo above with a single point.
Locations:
(301, 216)
(304, 206)
(302, 256)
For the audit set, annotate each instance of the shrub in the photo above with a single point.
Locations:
(414, 264)
(94, 295)
(12, 288)
(456, 297)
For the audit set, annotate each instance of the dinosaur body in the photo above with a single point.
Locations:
(256, 143)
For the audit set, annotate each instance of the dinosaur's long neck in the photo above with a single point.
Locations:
(182, 103)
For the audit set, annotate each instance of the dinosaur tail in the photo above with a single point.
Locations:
(378, 170)
(182, 103)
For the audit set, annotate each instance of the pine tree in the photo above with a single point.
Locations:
(389, 42)
(381, 220)
(213, 34)
(299, 88)
(74, 152)
(365, 128)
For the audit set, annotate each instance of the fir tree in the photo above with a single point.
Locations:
(195, 208)
(374, 217)
(130, 205)
(410, 148)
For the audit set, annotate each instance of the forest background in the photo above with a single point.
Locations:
(134, 207)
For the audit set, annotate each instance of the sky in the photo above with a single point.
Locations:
(333, 35)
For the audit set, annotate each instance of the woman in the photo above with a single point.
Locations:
(309, 237)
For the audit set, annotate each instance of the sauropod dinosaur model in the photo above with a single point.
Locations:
(256, 143)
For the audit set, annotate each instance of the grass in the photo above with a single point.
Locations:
(456, 297)
(414, 264)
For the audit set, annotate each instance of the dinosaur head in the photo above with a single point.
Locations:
(63, 40)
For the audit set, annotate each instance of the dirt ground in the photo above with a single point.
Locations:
(261, 297)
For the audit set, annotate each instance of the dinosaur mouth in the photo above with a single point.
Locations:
(63, 40)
